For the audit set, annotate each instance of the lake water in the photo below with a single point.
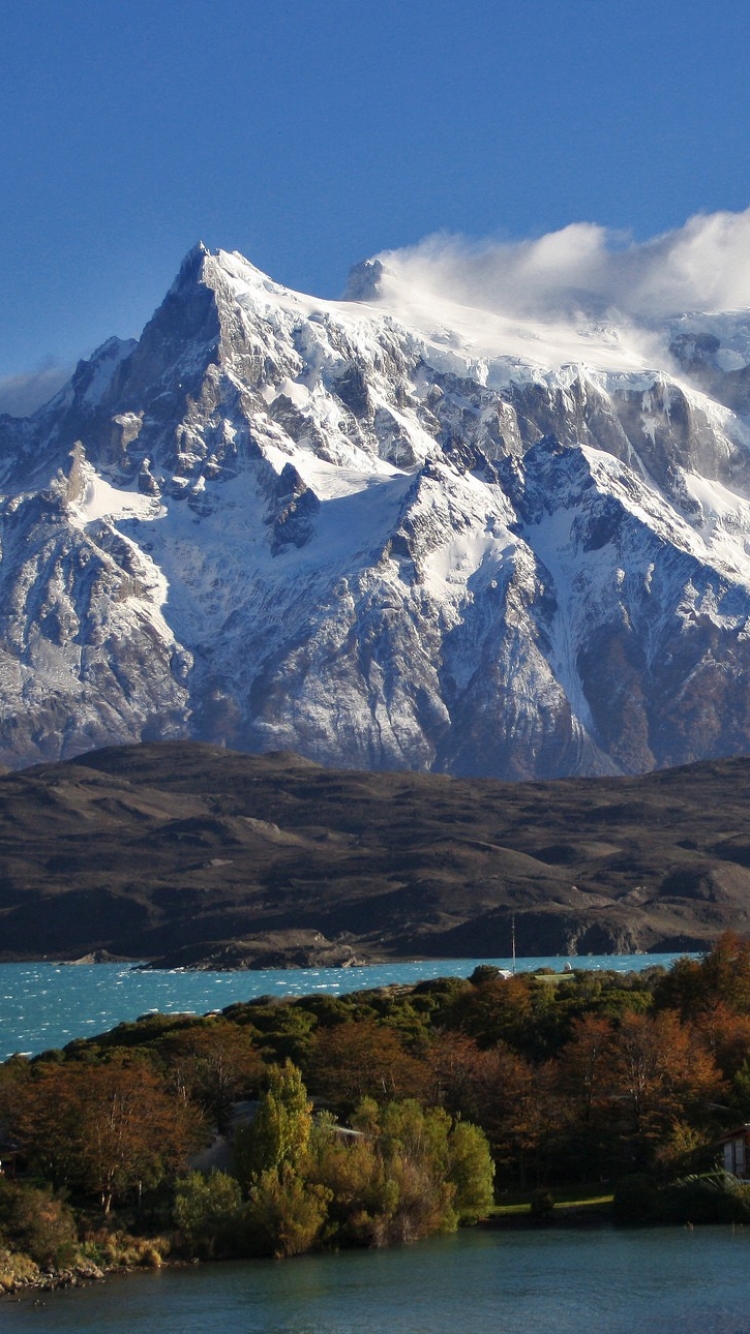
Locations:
(655, 1281)
(45, 1005)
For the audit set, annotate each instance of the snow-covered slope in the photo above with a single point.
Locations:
(391, 531)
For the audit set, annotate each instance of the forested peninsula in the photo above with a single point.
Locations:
(279, 1126)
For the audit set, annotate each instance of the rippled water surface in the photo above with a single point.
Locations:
(45, 1005)
(655, 1281)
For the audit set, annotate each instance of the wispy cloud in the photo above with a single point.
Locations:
(703, 266)
(22, 394)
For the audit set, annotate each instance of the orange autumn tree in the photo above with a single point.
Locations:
(726, 1034)
(214, 1063)
(107, 1130)
(583, 1065)
(361, 1058)
(659, 1072)
(722, 977)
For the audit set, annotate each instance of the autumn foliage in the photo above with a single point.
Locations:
(376, 1108)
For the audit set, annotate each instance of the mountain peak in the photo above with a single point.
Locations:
(408, 533)
(364, 281)
(191, 267)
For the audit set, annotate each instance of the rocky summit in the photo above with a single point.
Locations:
(389, 532)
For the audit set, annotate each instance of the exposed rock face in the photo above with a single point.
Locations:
(275, 522)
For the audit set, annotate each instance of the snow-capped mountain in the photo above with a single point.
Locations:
(390, 532)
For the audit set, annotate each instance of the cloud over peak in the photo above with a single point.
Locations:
(588, 269)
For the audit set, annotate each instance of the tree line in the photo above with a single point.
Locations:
(382, 1115)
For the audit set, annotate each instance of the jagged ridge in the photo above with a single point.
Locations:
(346, 529)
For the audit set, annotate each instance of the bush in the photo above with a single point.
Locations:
(207, 1212)
(15, 1269)
(111, 1247)
(634, 1199)
(714, 1197)
(541, 1206)
(284, 1215)
(38, 1224)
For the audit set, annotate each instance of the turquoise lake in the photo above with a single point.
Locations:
(556, 1281)
(45, 1005)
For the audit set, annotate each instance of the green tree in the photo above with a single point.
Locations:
(413, 1144)
(363, 1197)
(279, 1135)
(471, 1171)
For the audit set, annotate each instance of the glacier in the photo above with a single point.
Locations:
(393, 531)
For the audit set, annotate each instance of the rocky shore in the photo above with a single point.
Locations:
(19, 1275)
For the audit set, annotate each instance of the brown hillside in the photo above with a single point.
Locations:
(198, 854)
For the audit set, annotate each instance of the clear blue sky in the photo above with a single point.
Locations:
(311, 135)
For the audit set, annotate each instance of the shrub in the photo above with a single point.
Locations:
(207, 1212)
(541, 1206)
(713, 1197)
(37, 1223)
(634, 1199)
(15, 1269)
(284, 1215)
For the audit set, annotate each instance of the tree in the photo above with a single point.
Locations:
(726, 972)
(214, 1064)
(279, 1135)
(46, 1120)
(660, 1071)
(285, 1214)
(583, 1090)
(412, 1143)
(498, 1010)
(726, 1035)
(365, 1059)
(363, 1197)
(583, 1062)
(722, 976)
(457, 1067)
(471, 1171)
(110, 1129)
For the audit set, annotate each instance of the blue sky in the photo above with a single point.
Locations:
(312, 135)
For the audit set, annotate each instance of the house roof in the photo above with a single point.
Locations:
(740, 1131)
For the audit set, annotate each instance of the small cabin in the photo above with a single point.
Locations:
(735, 1147)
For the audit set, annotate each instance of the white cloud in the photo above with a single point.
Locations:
(703, 266)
